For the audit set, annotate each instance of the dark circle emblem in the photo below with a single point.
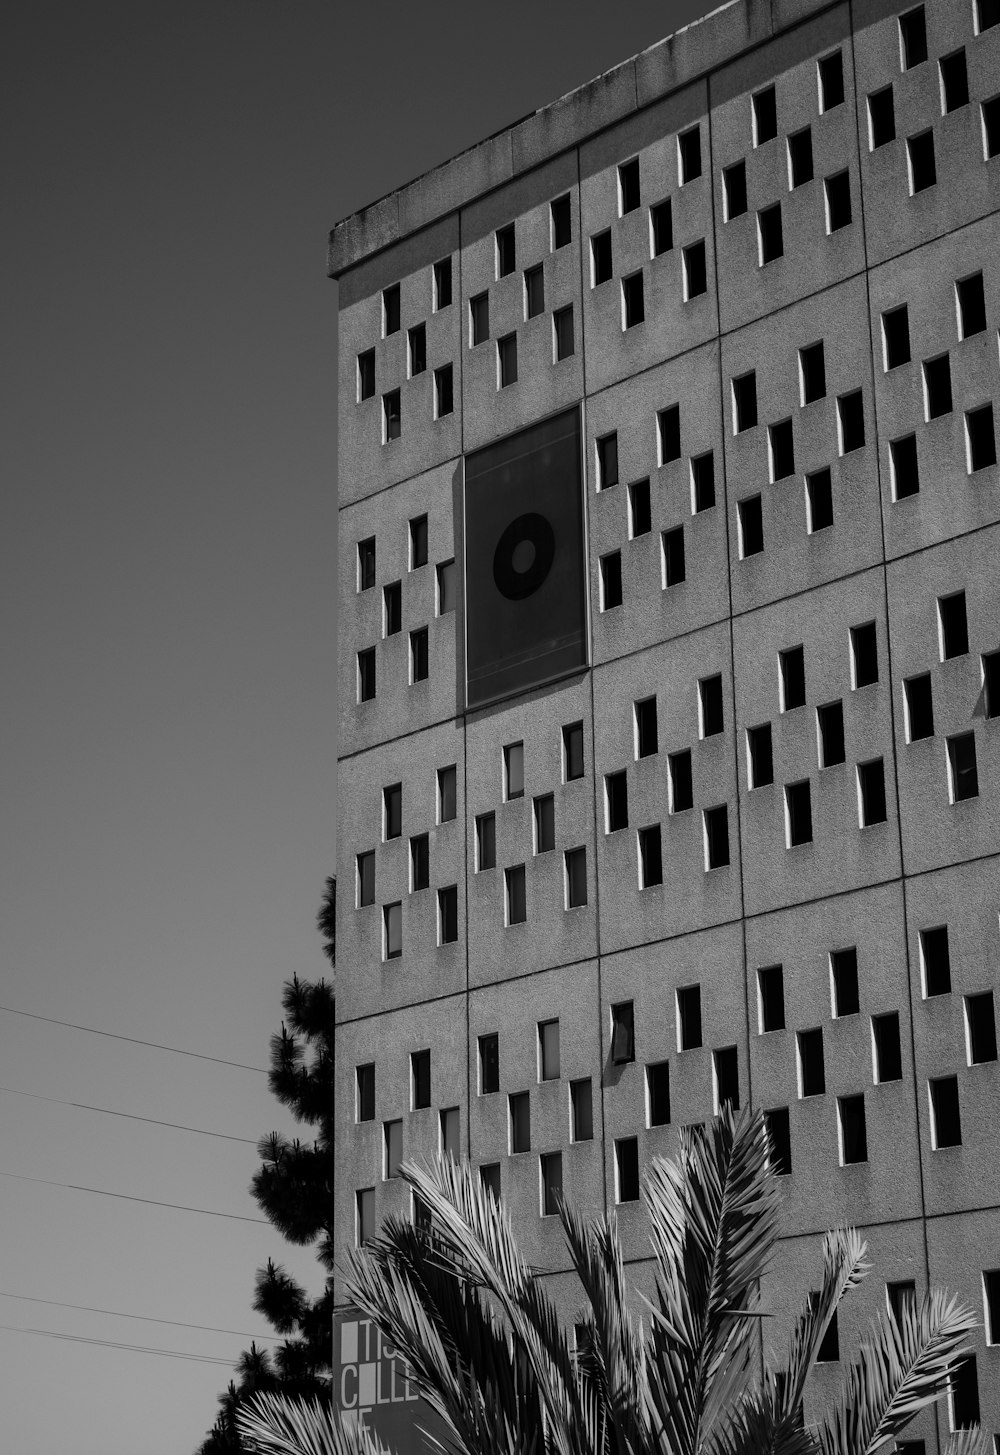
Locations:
(523, 557)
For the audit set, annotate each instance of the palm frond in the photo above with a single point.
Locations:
(972, 1441)
(757, 1427)
(270, 1424)
(844, 1267)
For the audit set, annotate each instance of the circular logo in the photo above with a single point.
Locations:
(523, 557)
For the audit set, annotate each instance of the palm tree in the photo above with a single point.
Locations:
(490, 1357)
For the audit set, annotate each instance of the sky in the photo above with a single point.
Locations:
(170, 172)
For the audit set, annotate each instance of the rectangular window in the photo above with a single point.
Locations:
(710, 711)
(550, 1171)
(781, 450)
(628, 186)
(575, 862)
(548, 1050)
(689, 155)
(545, 823)
(650, 857)
(980, 438)
(970, 300)
(953, 626)
(447, 793)
(980, 1028)
(365, 1093)
(744, 402)
(674, 566)
(622, 1033)
(963, 775)
(390, 310)
(896, 337)
(871, 793)
(601, 264)
(798, 814)
(513, 771)
(366, 564)
(581, 1103)
(792, 664)
(946, 1120)
(366, 879)
(991, 1301)
(534, 291)
(506, 251)
(965, 1395)
(661, 228)
(416, 340)
(853, 1129)
(489, 1064)
(702, 482)
(771, 998)
(444, 391)
(750, 513)
(888, 1057)
(991, 683)
(446, 587)
(392, 423)
(668, 430)
(734, 186)
(392, 608)
(831, 81)
(420, 1079)
(418, 655)
(838, 201)
(726, 1078)
(851, 421)
(392, 928)
(819, 501)
(881, 118)
(905, 471)
(800, 158)
(920, 160)
(844, 980)
(935, 959)
(987, 15)
(506, 360)
(607, 460)
(611, 580)
(695, 271)
(442, 284)
(562, 223)
(912, 38)
(392, 811)
(572, 744)
(418, 542)
(633, 302)
(366, 375)
(514, 884)
(450, 1123)
(627, 1169)
(954, 81)
(901, 1299)
(919, 704)
(765, 116)
(991, 127)
(812, 373)
(830, 726)
(681, 789)
(864, 655)
(646, 729)
(689, 1018)
(420, 862)
(364, 1216)
(489, 1176)
(640, 521)
(937, 387)
(479, 319)
(779, 1136)
(486, 841)
(615, 801)
(829, 1346)
(760, 758)
(716, 837)
(770, 239)
(366, 675)
(519, 1104)
(563, 344)
(812, 1070)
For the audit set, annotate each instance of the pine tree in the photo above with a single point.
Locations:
(294, 1188)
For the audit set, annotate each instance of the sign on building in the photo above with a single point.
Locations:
(372, 1387)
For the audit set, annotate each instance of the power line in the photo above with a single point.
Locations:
(132, 1116)
(134, 1348)
(133, 1040)
(128, 1197)
(87, 1308)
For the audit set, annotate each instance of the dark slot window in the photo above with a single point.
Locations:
(819, 501)
(793, 678)
(987, 15)
(447, 590)
(489, 1176)
(365, 1093)
(919, 707)
(601, 265)
(920, 154)
(703, 482)
(390, 310)
(506, 251)
(420, 866)
(658, 1093)
(517, 911)
(954, 626)
(572, 736)
(616, 801)
(392, 924)
(965, 1394)
(864, 655)
(607, 461)
(954, 81)
(727, 1078)
(581, 1100)
(562, 222)
(450, 1131)
(710, 701)
(937, 387)
(418, 542)
(448, 914)
(913, 38)
(442, 284)
(962, 767)
(392, 419)
(562, 333)
(519, 1104)
(633, 303)
(844, 973)
(981, 438)
(779, 1136)
(650, 857)
(769, 234)
(668, 427)
(971, 306)
(366, 879)
(853, 1129)
(447, 794)
(545, 823)
(744, 402)
(935, 957)
(982, 1028)
(689, 154)
(812, 1071)
(905, 468)
(417, 349)
(366, 564)
(548, 1050)
(771, 988)
(639, 512)
(444, 391)
(716, 837)
(366, 674)
(366, 375)
(681, 790)
(576, 878)
(623, 1033)
(751, 518)
(479, 319)
(507, 360)
(765, 116)
(812, 369)
(611, 580)
(871, 787)
(946, 1120)
(830, 721)
(392, 810)
(689, 1018)
(486, 841)
(534, 291)
(489, 1064)
(646, 732)
(627, 1169)
(851, 419)
(991, 126)
(734, 182)
(798, 814)
(831, 81)
(991, 1291)
(888, 1056)
(781, 447)
(695, 268)
(991, 683)
(838, 201)
(800, 158)
(881, 118)
(902, 1300)
(420, 1079)
(760, 755)
(661, 228)
(628, 186)
(513, 770)
(674, 567)
(364, 1215)
(896, 336)
(418, 655)
(829, 1346)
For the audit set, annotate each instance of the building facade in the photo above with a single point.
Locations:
(731, 831)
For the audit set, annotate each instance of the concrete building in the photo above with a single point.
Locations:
(736, 833)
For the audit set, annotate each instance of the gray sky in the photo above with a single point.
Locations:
(167, 623)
